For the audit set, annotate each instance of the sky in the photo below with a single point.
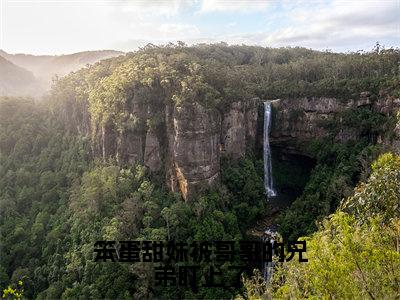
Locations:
(68, 26)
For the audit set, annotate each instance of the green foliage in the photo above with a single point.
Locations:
(217, 75)
(354, 254)
(55, 201)
(363, 121)
(335, 174)
(13, 293)
(381, 194)
(256, 287)
(39, 162)
(244, 181)
(338, 168)
(156, 216)
(346, 260)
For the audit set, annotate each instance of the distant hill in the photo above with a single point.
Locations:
(45, 67)
(14, 80)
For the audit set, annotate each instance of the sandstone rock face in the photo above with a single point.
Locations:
(239, 128)
(251, 121)
(130, 148)
(199, 136)
(299, 121)
(186, 143)
(396, 142)
(390, 106)
(152, 156)
(196, 148)
(387, 105)
(233, 138)
(108, 141)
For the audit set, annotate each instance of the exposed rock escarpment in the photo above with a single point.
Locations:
(239, 128)
(195, 147)
(186, 142)
(299, 121)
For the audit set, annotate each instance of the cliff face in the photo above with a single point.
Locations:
(186, 143)
(195, 147)
(299, 121)
(239, 128)
(390, 106)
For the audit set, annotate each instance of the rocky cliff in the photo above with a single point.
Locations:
(297, 122)
(185, 143)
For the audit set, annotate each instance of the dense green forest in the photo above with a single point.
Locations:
(355, 252)
(58, 196)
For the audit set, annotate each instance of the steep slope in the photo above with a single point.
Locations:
(361, 237)
(46, 67)
(355, 252)
(14, 80)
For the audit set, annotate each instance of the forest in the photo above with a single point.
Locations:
(61, 191)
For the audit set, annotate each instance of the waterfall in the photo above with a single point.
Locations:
(268, 182)
(268, 266)
(270, 233)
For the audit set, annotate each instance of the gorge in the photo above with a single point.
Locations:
(188, 141)
(168, 143)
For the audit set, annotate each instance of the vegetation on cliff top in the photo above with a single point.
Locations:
(216, 75)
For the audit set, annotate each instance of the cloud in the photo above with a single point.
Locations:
(338, 25)
(52, 26)
(166, 8)
(233, 5)
(179, 30)
(351, 13)
(341, 22)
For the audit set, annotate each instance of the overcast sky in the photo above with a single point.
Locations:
(66, 26)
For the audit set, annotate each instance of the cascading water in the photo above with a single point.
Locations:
(268, 181)
(268, 266)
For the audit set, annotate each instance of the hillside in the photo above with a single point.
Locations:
(14, 80)
(355, 252)
(47, 67)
